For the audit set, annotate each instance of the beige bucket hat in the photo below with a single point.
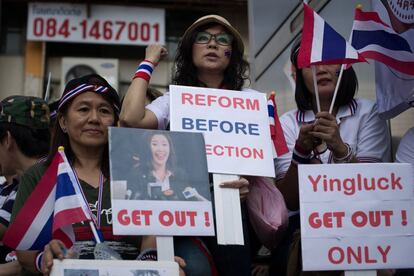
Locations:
(213, 18)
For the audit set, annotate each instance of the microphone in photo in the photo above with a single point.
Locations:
(191, 193)
(128, 194)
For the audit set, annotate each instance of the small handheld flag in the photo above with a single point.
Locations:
(50, 210)
(278, 138)
(375, 40)
(321, 44)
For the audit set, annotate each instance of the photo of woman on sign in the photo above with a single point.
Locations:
(157, 174)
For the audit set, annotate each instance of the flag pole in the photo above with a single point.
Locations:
(315, 88)
(95, 233)
(47, 91)
(341, 71)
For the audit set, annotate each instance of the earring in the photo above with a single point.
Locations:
(64, 130)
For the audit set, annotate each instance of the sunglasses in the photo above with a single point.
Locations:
(221, 39)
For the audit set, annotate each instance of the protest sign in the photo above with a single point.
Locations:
(74, 267)
(356, 216)
(236, 129)
(159, 183)
(235, 125)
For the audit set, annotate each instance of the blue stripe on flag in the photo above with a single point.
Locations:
(333, 44)
(44, 237)
(271, 110)
(360, 39)
(64, 186)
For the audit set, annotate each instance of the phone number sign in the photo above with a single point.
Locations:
(101, 24)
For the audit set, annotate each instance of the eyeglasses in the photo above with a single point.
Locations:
(222, 38)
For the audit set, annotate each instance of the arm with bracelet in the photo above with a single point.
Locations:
(134, 113)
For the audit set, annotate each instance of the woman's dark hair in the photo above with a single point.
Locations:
(31, 142)
(186, 73)
(172, 159)
(61, 138)
(303, 97)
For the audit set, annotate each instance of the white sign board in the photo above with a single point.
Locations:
(159, 183)
(99, 24)
(235, 126)
(71, 267)
(356, 216)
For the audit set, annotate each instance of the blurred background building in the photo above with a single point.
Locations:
(268, 28)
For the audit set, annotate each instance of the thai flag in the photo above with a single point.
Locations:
(50, 210)
(276, 132)
(321, 44)
(374, 39)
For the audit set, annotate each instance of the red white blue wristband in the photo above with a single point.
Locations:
(300, 156)
(144, 70)
(38, 261)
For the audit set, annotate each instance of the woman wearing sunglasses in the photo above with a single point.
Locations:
(210, 55)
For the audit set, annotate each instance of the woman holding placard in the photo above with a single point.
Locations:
(88, 106)
(210, 55)
(352, 132)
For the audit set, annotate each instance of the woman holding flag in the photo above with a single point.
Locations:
(352, 133)
(88, 106)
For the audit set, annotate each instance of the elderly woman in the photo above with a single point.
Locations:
(89, 105)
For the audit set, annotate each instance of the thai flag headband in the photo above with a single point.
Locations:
(85, 87)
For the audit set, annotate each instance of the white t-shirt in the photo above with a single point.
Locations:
(405, 152)
(359, 126)
(161, 108)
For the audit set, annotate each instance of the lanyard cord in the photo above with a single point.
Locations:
(96, 219)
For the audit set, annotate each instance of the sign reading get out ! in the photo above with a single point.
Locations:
(97, 24)
(357, 216)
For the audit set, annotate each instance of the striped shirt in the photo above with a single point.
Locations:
(7, 197)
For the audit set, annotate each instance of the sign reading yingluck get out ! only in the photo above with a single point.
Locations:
(357, 216)
(235, 125)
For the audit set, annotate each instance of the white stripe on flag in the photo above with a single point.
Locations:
(67, 202)
(350, 51)
(39, 221)
(317, 42)
(272, 121)
(402, 56)
(68, 230)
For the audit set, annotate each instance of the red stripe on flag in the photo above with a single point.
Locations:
(32, 206)
(68, 216)
(304, 56)
(276, 131)
(60, 235)
(406, 67)
(368, 16)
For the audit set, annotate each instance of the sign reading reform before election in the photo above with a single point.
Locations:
(235, 125)
(356, 216)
